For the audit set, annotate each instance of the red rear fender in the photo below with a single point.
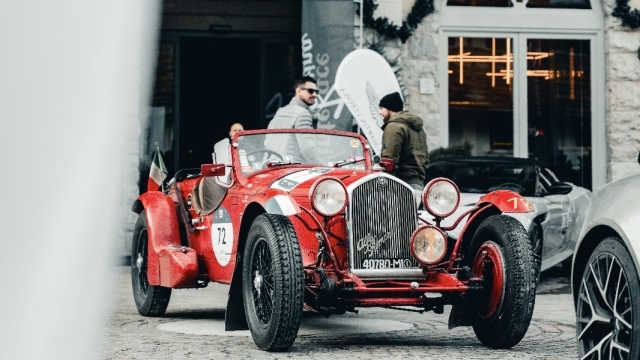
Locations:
(164, 238)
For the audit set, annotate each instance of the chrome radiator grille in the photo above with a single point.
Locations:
(382, 217)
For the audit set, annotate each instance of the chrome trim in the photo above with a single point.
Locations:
(384, 274)
(385, 224)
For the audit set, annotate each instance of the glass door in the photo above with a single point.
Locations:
(523, 95)
(559, 106)
(481, 94)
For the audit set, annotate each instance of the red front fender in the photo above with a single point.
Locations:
(506, 201)
(496, 202)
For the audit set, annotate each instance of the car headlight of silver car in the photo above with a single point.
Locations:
(441, 197)
(428, 245)
(328, 196)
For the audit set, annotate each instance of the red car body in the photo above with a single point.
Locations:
(361, 255)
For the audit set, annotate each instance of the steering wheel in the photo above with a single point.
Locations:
(267, 152)
(509, 186)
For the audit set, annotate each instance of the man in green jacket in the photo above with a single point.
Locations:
(404, 141)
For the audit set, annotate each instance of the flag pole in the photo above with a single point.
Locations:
(158, 152)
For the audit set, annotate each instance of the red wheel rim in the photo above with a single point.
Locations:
(494, 282)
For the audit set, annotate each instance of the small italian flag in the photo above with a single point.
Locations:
(158, 172)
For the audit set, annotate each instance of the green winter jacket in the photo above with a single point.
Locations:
(404, 141)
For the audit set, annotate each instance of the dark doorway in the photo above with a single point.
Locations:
(219, 85)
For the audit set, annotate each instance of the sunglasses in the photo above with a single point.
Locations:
(311, 91)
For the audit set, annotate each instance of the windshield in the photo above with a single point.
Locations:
(257, 151)
(484, 177)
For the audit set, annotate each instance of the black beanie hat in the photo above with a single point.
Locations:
(392, 102)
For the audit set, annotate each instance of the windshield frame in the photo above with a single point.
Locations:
(235, 156)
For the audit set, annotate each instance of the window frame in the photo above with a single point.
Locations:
(521, 24)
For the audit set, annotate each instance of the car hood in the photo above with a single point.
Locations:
(297, 182)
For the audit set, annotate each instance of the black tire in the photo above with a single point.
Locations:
(608, 306)
(150, 300)
(272, 282)
(535, 236)
(501, 321)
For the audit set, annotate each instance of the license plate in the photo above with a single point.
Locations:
(386, 263)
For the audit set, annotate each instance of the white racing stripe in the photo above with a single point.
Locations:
(290, 181)
(285, 205)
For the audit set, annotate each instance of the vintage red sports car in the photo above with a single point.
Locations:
(329, 231)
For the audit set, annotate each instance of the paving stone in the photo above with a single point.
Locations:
(129, 335)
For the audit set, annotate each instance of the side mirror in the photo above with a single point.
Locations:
(560, 188)
(212, 169)
(387, 164)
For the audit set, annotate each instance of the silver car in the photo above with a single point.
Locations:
(559, 206)
(604, 279)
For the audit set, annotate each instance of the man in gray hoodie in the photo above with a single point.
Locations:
(296, 115)
(404, 141)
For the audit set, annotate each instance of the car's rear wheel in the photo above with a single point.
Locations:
(272, 282)
(608, 305)
(500, 253)
(150, 300)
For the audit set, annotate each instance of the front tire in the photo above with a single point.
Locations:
(150, 300)
(608, 307)
(501, 253)
(272, 282)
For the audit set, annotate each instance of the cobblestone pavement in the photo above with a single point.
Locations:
(425, 336)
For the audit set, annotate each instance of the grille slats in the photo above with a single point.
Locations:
(383, 217)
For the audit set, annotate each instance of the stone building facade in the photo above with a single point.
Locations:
(421, 57)
(622, 53)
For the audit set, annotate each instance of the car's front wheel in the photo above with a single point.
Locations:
(608, 305)
(500, 253)
(272, 282)
(150, 300)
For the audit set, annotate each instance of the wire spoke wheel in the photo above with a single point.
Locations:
(272, 282)
(605, 308)
(261, 269)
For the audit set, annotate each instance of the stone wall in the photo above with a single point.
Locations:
(417, 58)
(622, 95)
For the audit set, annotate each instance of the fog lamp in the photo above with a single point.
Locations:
(428, 245)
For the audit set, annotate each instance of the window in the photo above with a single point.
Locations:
(524, 79)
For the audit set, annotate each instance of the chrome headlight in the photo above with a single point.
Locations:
(441, 197)
(328, 196)
(428, 245)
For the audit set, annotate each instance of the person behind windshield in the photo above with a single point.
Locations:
(235, 127)
(295, 115)
(404, 141)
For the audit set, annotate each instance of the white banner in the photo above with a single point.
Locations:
(362, 79)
